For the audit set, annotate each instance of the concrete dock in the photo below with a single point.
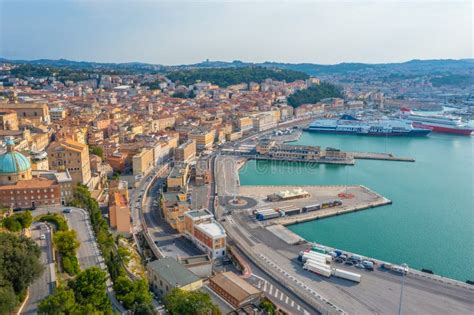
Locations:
(379, 156)
(361, 198)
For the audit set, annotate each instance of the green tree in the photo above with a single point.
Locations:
(18, 221)
(19, 261)
(194, 302)
(66, 243)
(229, 76)
(267, 306)
(25, 219)
(132, 293)
(11, 224)
(314, 94)
(90, 288)
(96, 151)
(62, 301)
(124, 254)
(8, 298)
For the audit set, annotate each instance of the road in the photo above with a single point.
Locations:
(378, 292)
(44, 285)
(88, 253)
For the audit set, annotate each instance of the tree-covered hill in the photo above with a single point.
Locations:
(314, 94)
(229, 76)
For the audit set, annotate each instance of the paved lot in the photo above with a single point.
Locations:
(43, 286)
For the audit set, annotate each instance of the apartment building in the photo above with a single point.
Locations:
(57, 114)
(262, 122)
(174, 205)
(143, 162)
(72, 156)
(177, 180)
(35, 112)
(245, 124)
(204, 138)
(8, 120)
(185, 151)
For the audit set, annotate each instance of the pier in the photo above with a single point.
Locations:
(379, 156)
(358, 198)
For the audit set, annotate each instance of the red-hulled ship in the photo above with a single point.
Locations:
(437, 123)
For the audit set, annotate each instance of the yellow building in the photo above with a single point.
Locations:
(174, 205)
(186, 151)
(178, 177)
(57, 113)
(72, 156)
(8, 120)
(163, 123)
(167, 273)
(245, 124)
(143, 162)
(36, 112)
(204, 138)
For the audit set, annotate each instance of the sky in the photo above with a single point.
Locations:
(184, 32)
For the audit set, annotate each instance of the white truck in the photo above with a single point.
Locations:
(340, 273)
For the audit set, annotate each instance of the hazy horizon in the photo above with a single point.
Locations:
(186, 32)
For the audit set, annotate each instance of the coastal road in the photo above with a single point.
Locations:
(44, 285)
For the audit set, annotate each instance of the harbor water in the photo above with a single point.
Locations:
(431, 221)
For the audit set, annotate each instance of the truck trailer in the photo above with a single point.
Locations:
(343, 274)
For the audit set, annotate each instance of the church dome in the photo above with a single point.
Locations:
(13, 162)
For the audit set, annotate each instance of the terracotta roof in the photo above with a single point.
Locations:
(234, 285)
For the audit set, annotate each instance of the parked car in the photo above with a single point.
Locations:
(67, 210)
(359, 265)
(42, 237)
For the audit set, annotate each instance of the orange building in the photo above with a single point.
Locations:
(119, 213)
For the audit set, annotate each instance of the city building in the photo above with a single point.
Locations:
(185, 151)
(72, 156)
(177, 180)
(143, 162)
(174, 205)
(64, 180)
(204, 138)
(167, 273)
(57, 114)
(18, 188)
(234, 289)
(119, 212)
(206, 233)
(245, 124)
(35, 112)
(8, 120)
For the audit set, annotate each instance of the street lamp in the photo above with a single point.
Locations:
(405, 271)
